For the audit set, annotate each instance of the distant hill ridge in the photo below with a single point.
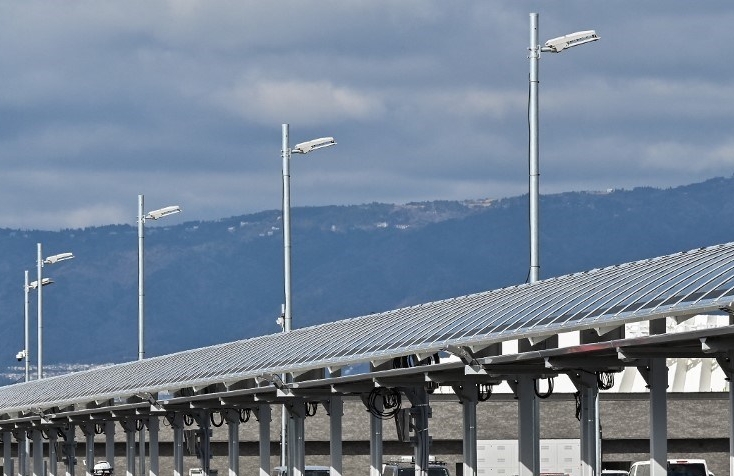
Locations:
(216, 281)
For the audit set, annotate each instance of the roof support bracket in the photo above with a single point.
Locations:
(621, 355)
(464, 353)
(727, 364)
(535, 340)
(682, 318)
(601, 330)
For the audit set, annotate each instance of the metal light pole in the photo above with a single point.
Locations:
(528, 407)
(302, 148)
(286, 153)
(287, 314)
(154, 215)
(142, 216)
(533, 152)
(25, 353)
(39, 272)
(555, 45)
(40, 262)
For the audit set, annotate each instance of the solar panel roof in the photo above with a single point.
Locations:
(687, 283)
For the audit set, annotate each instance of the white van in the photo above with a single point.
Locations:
(676, 467)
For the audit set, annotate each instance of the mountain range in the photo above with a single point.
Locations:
(208, 282)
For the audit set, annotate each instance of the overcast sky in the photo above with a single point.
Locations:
(183, 101)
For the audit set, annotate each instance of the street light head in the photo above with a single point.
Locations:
(156, 214)
(59, 257)
(556, 45)
(44, 281)
(306, 147)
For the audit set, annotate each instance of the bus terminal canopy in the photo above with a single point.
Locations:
(334, 355)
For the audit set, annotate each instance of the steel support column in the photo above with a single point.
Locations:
(657, 380)
(376, 442)
(528, 427)
(153, 427)
(469, 397)
(177, 423)
(7, 453)
(204, 451)
(658, 383)
(263, 413)
(88, 430)
(22, 438)
(37, 453)
(420, 412)
(587, 386)
(336, 411)
(128, 425)
(296, 444)
(232, 417)
(109, 433)
(53, 467)
(69, 434)
(141, 450)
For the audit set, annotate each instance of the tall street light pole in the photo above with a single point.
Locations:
(286, 152)
(302, 148)
(25, 353)
(555, 45)
(40, 263)
(142, 216)
(528, 407)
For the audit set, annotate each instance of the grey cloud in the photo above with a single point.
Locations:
(183, 101)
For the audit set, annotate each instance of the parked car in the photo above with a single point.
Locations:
(406, 467)
(614, 472)
(676, 467)
(309, 471)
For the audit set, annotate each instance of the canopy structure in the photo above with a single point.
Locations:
(679, 285)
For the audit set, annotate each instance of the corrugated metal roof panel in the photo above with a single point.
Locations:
(696, 281)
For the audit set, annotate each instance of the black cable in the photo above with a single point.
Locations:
(605, 380)
(188, 420)
(577, 397)
(246, 418)
(391, 402)
(139, 425)
(409, 361)
(311, 408)
(484, 391)
(550, 388)
(98, 429)
(221, 419)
